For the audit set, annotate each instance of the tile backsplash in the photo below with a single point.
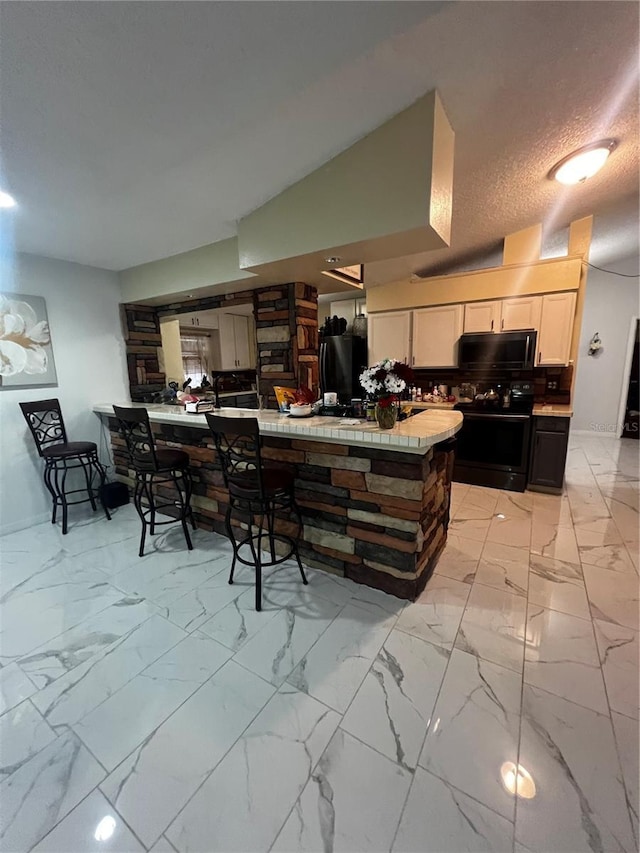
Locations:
(551, 384)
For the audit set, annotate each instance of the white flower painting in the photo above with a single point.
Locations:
(26, 357)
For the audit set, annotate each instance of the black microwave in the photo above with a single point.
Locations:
(501, 351)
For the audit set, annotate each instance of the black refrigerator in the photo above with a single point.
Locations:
(342, 360)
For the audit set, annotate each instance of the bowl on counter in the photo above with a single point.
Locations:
(300, 410)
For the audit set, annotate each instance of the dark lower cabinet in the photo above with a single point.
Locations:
(548, 452)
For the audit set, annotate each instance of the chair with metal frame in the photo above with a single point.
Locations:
(255, 491)
(45, 421)
(155, 467)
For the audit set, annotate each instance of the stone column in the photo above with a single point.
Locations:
(287, 336)
(142, 334)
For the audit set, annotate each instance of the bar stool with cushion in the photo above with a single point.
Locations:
(256, 491)
(61, 456)
(155, 467)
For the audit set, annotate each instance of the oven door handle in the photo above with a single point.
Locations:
(479, 416)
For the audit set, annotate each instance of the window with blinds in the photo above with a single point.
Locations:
(195, 357)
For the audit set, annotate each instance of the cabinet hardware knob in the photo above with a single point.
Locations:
(502, 323)
(539, 357)
(492, 325)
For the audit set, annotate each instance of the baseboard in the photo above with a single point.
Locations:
(24, 523)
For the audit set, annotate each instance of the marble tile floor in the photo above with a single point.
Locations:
(146, 706)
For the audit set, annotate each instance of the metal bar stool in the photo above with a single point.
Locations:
(255, 491)
(155, 467)
(44, 418)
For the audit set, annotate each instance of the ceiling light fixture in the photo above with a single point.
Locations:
(583, 163)
(6, 200)
(332, 259)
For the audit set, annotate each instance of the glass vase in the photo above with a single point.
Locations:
(387, 415)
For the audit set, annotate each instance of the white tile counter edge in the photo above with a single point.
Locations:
(415, 435)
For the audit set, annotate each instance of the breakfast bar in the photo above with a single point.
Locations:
(374, 503)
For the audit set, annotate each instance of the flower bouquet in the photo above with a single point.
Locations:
(383, 382)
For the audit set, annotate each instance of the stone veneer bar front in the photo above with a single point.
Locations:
(374, 503)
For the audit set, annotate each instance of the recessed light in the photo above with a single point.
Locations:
(332, 259)
(7, 200)
(583, 163)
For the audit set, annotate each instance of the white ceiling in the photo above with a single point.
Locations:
(137, 130)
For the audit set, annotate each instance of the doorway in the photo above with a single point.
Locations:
(631, 420)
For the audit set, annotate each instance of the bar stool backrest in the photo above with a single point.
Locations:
(237, 443)
(44, 418)
(135, 429)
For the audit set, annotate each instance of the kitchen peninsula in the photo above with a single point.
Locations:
(374, 503)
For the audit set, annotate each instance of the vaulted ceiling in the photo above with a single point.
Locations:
(136, 130)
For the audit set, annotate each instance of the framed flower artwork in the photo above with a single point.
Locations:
(26, 356)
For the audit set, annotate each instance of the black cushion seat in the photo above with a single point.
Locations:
(69, 448)
(274, 481)
(167, 460)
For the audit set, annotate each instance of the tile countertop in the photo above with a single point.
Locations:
(558, 410)
(444, 407)
(415, 435)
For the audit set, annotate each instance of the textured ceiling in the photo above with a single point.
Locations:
(133, 131)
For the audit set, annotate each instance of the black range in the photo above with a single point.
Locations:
(493, 444)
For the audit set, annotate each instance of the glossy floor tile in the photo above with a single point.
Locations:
(579, 801)
(439, 818)
(150, 708)
(561, 657)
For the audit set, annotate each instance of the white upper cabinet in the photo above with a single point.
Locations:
(436, 332)
(482, 316)
(522, 312)
(556, 329)
(243, 349)
(227, 343)
(389, 336)
(235, 348)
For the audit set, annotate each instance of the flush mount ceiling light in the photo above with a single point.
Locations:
(332, 259)
(7, 200)
(583, 163)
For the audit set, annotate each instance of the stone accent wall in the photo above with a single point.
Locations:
(142, 339)
(378, 517)
(286, 318)
(287, 334)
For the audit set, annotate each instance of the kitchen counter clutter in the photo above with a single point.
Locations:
(415, 435)
(374, 503)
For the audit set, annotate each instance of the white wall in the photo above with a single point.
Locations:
(88, 347)
(170, 353)
(610, 304)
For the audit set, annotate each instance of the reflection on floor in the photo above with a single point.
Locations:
(145, 705)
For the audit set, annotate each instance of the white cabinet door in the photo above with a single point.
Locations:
(556, 328)
(188, 321)
(482, 316)
(389, 336)
(522, 312)
(227, 342)
(243, 350)
(436, 332)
